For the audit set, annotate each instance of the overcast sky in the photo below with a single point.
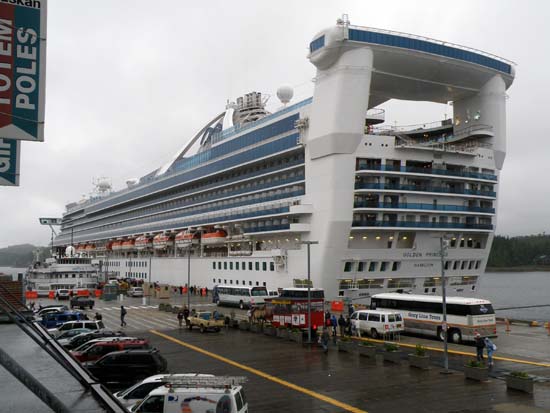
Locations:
(128, 82)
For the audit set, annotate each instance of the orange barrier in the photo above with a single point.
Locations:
(97, 293)
(83, 293)
(337, 306)
(31, 294)
(51, 295)
(185, 290)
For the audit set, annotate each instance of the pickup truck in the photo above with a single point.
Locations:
(205, 320)
(82, 302)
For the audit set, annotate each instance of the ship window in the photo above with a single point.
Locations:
(225, 281)
(348, 266)
(244, 282)
(225, 265)
(455, 265)
(231, 265)
(237, 265)
(264, 266)
(257, 266)
(372, 266)
(214, 265)
(250, 283)
(250, 266)
(463, 266)
(230, 281)
(384, 265)
(478, 264)
(447, 263)
(257, 283)
(264, 284)
(361, 266)
(395, 266)
(271, 266)
(219, 281)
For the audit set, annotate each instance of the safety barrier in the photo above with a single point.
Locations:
(97, 293)
(51, 295)
(31, 294)
(83, 293)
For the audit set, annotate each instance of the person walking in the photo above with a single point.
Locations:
(480, 345)
(98, 316)
(180, 318)
(334, 324)
(249, 315)
(186, 315)
(342, 325)
(491, 348)
(324, 340)
(122, 315)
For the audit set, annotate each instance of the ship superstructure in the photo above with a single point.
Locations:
(325, 169)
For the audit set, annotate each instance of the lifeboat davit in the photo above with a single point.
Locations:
(185, 238)
(128, 245)
(214, 237)
(143, 242)
(117, 246)
(161, 241)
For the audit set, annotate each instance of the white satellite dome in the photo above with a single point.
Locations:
(70, 251)
(132, 182)
(285, 93)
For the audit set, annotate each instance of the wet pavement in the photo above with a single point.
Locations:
(286, 376)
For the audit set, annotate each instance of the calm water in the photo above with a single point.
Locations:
(503, 289)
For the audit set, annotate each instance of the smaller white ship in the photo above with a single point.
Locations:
(72, 271)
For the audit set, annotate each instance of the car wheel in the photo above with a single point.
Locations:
(241, 305)
(202, 329)
(217, 330)
(455, 336)
(190, 327)
(374, 333)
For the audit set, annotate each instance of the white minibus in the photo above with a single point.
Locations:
(240, 296)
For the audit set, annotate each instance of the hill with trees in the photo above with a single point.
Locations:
(21, 256)
(529, 252)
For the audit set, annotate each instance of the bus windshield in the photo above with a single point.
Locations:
(258, 291)
(482, 309)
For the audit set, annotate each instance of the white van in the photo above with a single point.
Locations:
(139, 391)
(377, 323)
(196, 394)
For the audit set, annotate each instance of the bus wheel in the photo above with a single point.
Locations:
(374, 333)
(455, 336)
(241, 305)
(440, 334)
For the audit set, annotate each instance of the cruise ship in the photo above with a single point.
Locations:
(377, 206)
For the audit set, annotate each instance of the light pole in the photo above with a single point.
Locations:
(309, 243)
(443, 245)
(189, 276)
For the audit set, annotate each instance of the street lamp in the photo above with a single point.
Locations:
(309, 243)
(443, 245)
(189, 275)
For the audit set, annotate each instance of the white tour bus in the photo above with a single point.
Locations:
(423, 314)
(240, 296)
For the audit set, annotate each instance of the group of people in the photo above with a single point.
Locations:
(484, 343)
(333, 324)
(193, 290)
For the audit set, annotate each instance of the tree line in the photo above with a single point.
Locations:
(527, 250)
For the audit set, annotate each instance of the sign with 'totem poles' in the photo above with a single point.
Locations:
(22, 69)
(9, 162)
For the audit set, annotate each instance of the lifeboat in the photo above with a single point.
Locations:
(80, 248)
(90, 247)
(161, 241)
(117, 246)
(214, 237)
(109, 246)
(128, 245)
(185, 238)
(143, 242)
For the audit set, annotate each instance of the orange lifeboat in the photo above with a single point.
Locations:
(109, 246)
(185, 238)
(90, 247)
(128, 244)
(117, 246)
(80, 248)
(161, 241)
(143, 242)
(214, 237)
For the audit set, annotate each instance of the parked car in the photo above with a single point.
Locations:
(126, 366)
(98, 350)
(82, 302)
(72, 333)
(80, 339)
(62, 294)
(90, 343)
(53, 320)
(377, 322)
(135, 292)
(70, 325)
(50, 309)
(139, 391)
(201, 398)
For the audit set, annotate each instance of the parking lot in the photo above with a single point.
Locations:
(285, 375)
